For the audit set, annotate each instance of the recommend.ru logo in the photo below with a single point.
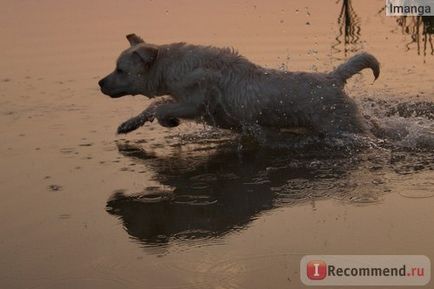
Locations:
(365, 270)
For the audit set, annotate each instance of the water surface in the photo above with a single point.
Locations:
(192, 207)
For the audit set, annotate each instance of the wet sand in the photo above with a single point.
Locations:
(186, 207)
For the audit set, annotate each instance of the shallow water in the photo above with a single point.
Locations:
(193, 207)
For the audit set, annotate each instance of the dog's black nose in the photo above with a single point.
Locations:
(101, 82)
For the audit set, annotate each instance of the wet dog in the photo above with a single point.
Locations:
(223, 89)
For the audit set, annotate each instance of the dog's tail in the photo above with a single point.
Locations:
(355, 64)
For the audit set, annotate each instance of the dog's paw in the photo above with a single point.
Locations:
(169, 122)
(135, 122)
(128, 126)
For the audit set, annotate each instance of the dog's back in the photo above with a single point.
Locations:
(244, 93)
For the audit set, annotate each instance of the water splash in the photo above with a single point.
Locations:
(401, 125)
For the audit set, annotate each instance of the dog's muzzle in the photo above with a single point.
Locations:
(101, 82)
(104, 89)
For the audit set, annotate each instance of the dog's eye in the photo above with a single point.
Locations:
(118, 70)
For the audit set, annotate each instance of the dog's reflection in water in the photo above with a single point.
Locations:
(211, 195)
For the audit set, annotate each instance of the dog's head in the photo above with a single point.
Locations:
(133, 68)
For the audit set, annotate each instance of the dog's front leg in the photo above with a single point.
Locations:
(137, 121)
(148, 115)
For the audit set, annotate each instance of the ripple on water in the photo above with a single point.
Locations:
(227, 272)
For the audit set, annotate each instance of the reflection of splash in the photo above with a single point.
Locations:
(420, 29)
(349, 29)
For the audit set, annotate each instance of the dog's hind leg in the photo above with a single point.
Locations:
(346, 118)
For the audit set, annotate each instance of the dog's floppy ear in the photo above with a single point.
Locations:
(146, 53)
(133, 39)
